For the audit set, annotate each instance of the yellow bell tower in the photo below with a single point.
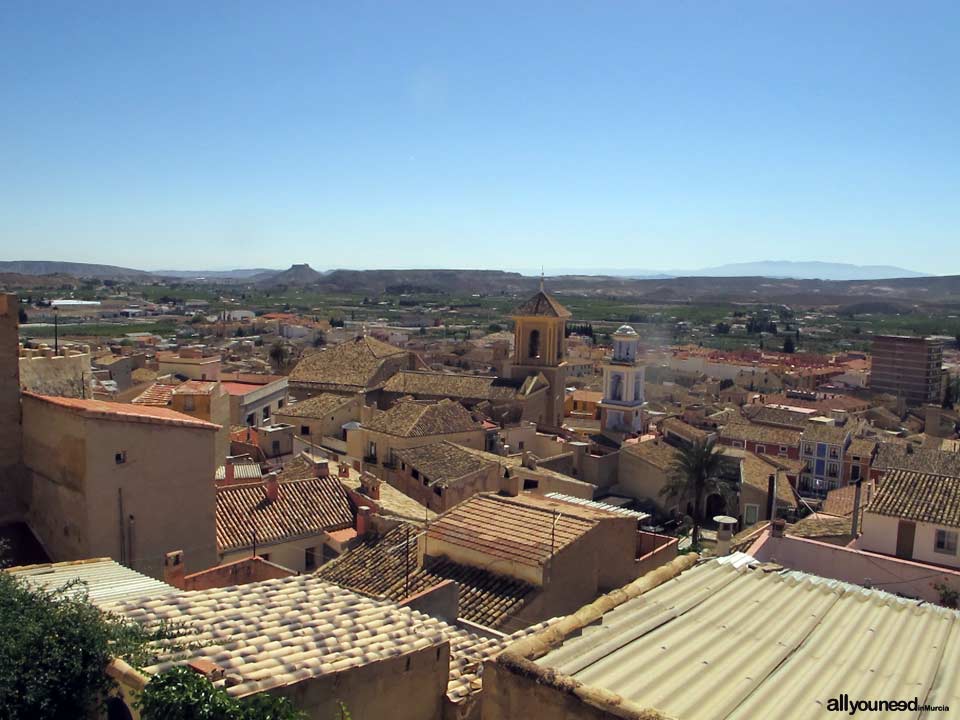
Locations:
(539, 346)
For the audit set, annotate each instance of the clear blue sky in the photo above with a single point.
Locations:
(486, 134)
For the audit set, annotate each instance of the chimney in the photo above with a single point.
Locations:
(343, 470)
(229, 474)
(856, 508)
(272, 488)
(370, 486)
(777, 527)
(772, 496)
(322, 468)
(173, 569)
(363, 520)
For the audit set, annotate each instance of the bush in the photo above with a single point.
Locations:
(182, 694)
(55, 646)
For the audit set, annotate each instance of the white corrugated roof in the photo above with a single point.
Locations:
(721, 643)
(598, 505)
(102, 579)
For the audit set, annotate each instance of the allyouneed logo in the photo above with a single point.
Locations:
(844, 703)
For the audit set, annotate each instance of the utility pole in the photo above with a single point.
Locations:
(56, 330)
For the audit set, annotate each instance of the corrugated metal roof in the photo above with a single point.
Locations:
(102, 579)
(598, 505)
(721, 642)
(241, 471)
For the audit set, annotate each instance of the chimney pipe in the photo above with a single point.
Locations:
(272, 488)
(363, 520)
(173, 569)
(856, 508)
(229, 474)
(777, 527)
(772, 496)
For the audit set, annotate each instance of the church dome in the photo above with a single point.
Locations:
(625, 330)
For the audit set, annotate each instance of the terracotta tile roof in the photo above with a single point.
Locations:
(755, 471)
(425, 383)
(280, 632)
(305, 507)
(861, 447)
(519, 529)
(195, 387)
(157, 395)
(821, 526)
(658, 454)
(764, 434)
(444, 462)
(688, 432)
(317, 406)
(414, 419)
(822, 433)
(380, 567)
(123, 412)
(907, 456)
(767, 415)
(356, 365)
(541, 305)
(918, 496)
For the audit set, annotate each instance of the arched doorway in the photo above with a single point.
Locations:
(715, 505)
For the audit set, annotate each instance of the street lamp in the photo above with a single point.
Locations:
(56, 330)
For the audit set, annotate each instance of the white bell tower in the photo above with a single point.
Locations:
(621, 410)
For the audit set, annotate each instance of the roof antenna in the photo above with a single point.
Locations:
(541, 278)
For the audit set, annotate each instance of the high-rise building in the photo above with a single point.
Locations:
(909, 368)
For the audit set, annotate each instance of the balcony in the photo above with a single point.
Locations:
(370, 459)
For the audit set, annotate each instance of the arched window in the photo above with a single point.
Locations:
(616, 387)
(534, 348)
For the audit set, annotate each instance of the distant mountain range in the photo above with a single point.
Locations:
(804, 270)
(303, 274)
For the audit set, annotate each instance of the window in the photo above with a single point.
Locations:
(415, 474)
(120, 458)
(280, 404)
(251, 420)
(533, 351)
(833, 470)
(304, 429)
(437, 490)
(807, 449)
(855, 473)
(310, 558)
(276, 447)
(946, 542)
(834, 453)
(529, 484)
(751, 513)
(784, 450)
(265, 556)
(761, 449)
(188, 403)
(266, 413)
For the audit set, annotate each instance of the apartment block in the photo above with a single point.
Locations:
(908, 367)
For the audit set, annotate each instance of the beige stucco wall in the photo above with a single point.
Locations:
(879, 533)
(208, 369)
(63, 375)
(484, 480)
(509, 696)
(166, 485)
(329, 425)
(359, 440)
(640, 479)
(290, 555)
(408, 687)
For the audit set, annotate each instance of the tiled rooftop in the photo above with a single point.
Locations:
(658, 454)
(123, 412)
(684, 430)
(541, 305)
(195, 387)
(414, 419)
(525, 529)
(819, 525)
(908, 456)
(317, 406)
(823, 433)
(765, 434)
(425, 383)
(918, 496)
(354, 365)
(103, 580)
(279, 632)
(380, 565)
(304, 507)
(443, 462)
(756, 471)
(767, 415)
(157, 395)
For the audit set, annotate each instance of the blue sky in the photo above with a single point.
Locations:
(496, 135)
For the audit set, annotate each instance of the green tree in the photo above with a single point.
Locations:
(788, 345)
(279, 355)
(55, 646)
(21, 315)
(693, 476)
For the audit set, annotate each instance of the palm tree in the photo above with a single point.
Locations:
(694, 475)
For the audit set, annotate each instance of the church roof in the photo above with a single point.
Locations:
(541, 305)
